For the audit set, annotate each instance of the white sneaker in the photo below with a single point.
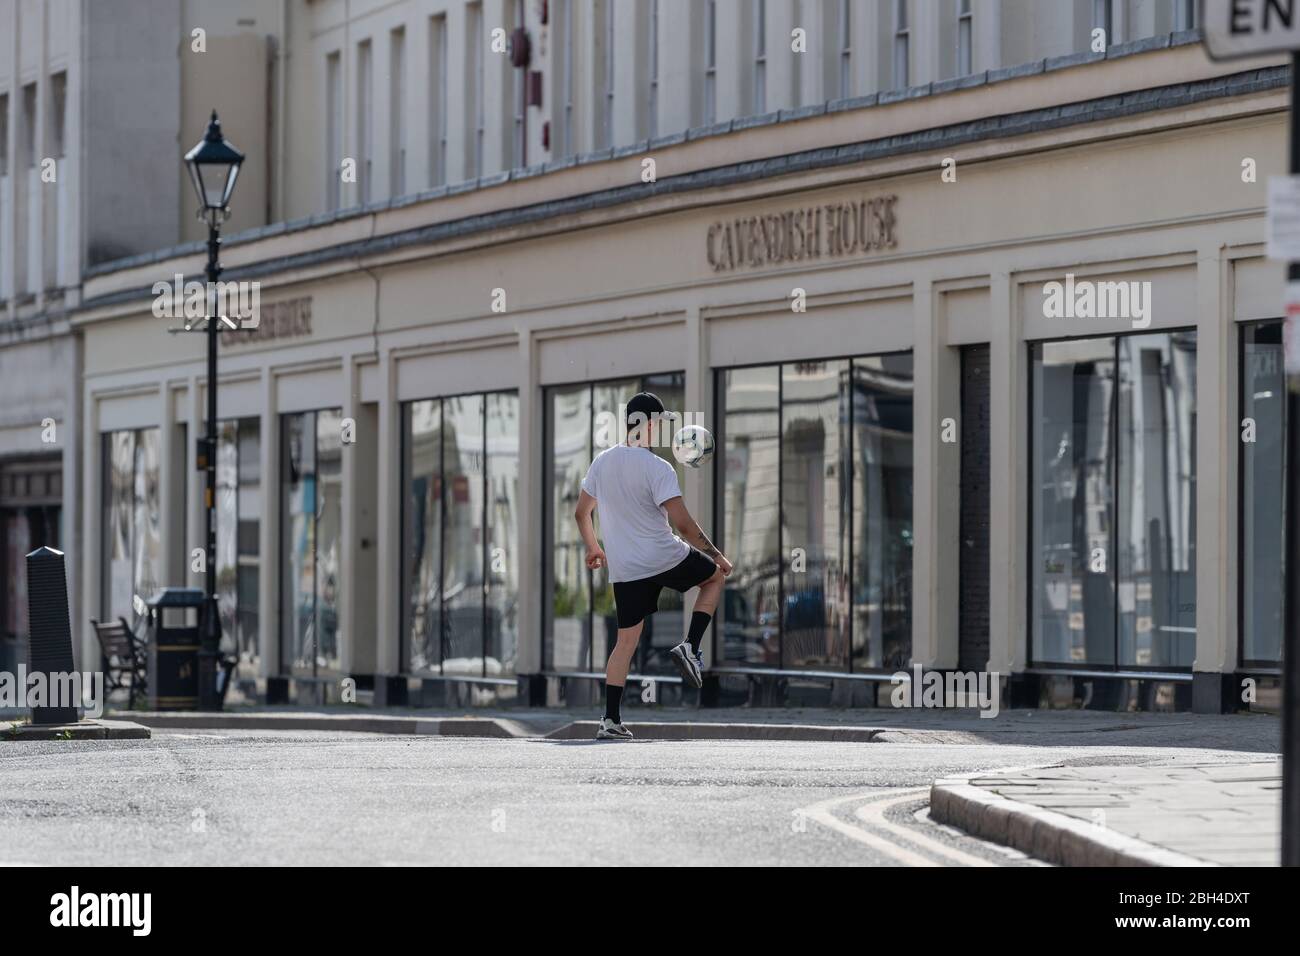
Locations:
(688, 663)
(608, 730)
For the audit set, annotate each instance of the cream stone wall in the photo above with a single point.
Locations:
(631, 291)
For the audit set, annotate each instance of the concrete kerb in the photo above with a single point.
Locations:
(346, 723)
(694, 730)
(1043, 834)
(496, 727)
(81, 730)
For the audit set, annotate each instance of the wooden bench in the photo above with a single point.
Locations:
(124, 660)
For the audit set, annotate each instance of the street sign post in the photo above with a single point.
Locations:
(1241, 28)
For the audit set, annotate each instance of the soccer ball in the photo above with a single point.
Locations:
(693, 446)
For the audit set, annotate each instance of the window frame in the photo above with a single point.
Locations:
(1117, 668)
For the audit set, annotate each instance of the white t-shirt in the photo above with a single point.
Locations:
(630, 486)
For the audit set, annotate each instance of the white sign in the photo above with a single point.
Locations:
(1237, 28)
(1283, 222)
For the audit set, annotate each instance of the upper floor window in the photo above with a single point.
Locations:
(564, 144)
(474, 80)
(438, 100)
(1185, 15)
(28, 143)
(58, 114)
(710, 111)
(760, 56)
(844, 31)
(333, 128)
(1103, 18)
(4, 134)
(397, 113)
(607, 93)
(518, 148)
(652, 70)
(901, 51)
(365, 121)
(964, 67)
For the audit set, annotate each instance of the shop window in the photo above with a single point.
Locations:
(132, 528)
(580, 626)
(1263, 492)
(1113, 488)
(311, 515)
(815, 504)
(460, 530)
(239, 515)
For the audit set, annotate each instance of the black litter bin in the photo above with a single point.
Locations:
(174, 648)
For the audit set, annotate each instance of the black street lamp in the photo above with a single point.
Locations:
(214, 166)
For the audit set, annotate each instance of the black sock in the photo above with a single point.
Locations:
(613, 697)
(699, 621)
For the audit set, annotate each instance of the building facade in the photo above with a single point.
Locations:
(975, 313)
(95, 99)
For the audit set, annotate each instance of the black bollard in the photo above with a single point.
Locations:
(49, 640)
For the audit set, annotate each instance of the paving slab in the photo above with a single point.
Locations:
(1173, 814)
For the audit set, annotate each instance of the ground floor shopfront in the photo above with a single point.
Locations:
(39, 465)
(918, 462)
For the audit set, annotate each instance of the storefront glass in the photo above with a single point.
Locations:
(582, 421)
(1113, 534)
(880, 540)
(132, 542)
(460, 528)
(239, 514)
(815, 499)
(311, 514)
(1263, 486)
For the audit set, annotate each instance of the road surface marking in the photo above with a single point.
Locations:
(874, 813)
(821, 812)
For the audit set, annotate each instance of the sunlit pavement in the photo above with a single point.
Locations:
(265, 798)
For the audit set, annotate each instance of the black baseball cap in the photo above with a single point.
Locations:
(643, 407)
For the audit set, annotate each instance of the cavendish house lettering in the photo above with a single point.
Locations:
(289, 319)
(813, 232)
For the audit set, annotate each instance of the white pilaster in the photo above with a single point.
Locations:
(936, 484)
(1008, 478)
(388, 655)
(1218, 452)
(528, 554)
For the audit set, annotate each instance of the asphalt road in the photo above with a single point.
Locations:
(285, 798)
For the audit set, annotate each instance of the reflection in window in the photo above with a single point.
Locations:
(817, 478)
(881, 536)
(463, 539)
(460, 529)
(1114, 501)
(1073, 502)
(132, 564)
(312, 486)
(1263, 493)
(751, 449)
(581, 422)
(239, 514)
(814, 514)
(1156, 551)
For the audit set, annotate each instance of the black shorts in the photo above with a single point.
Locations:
(634, 600)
